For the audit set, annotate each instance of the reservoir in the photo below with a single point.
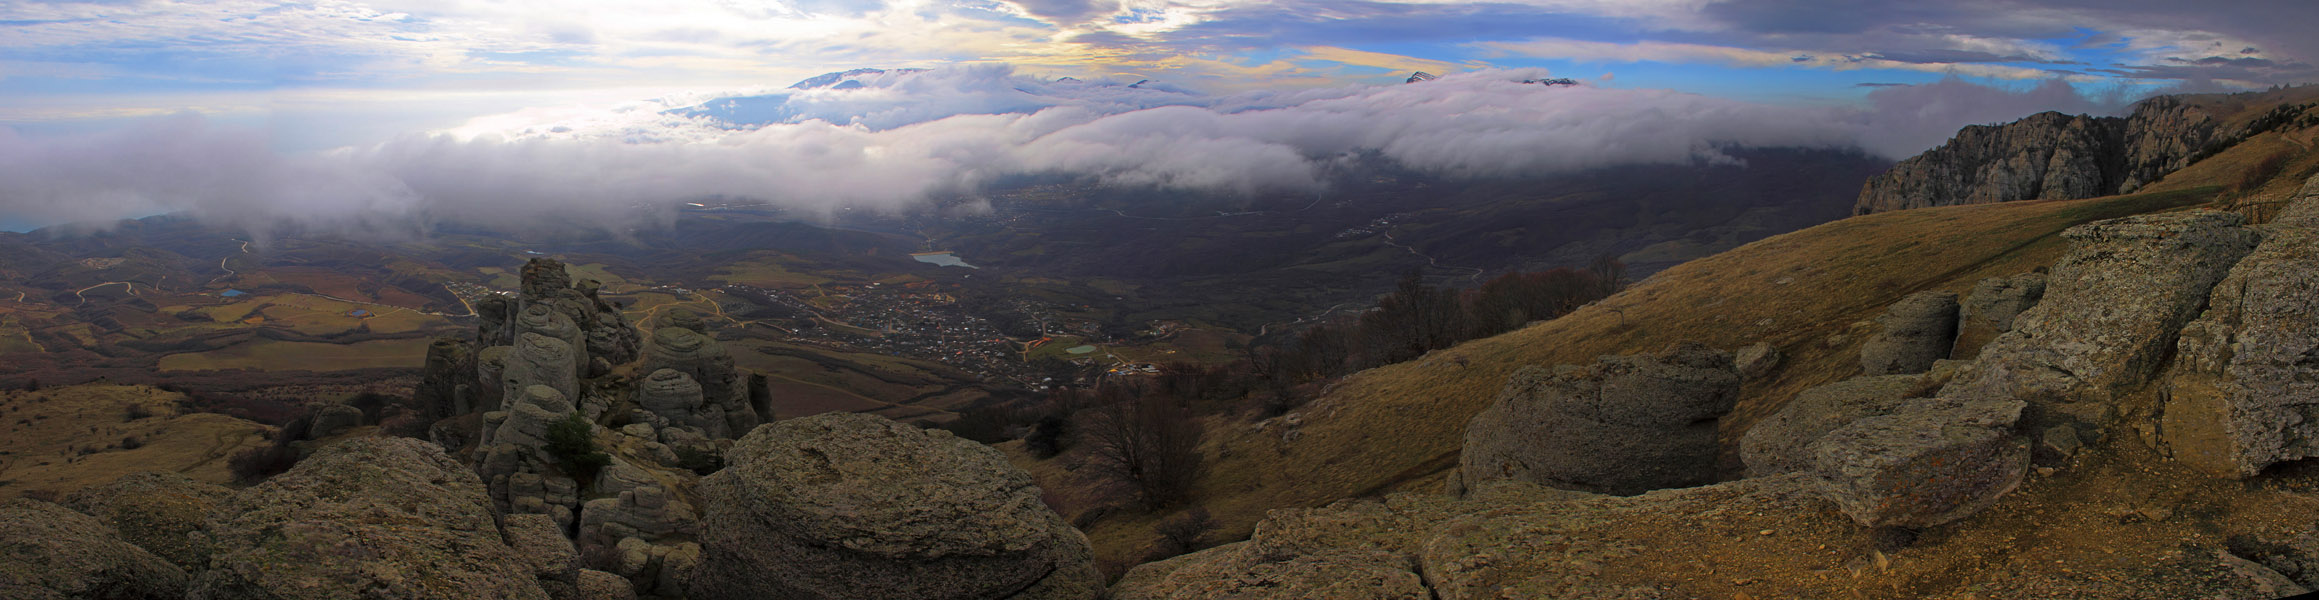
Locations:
(945, 258)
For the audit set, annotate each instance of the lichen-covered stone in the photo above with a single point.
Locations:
(49, 552)
(856, 506)
(1922, 467)
(541, 360)
(160, 512)
(1625, 425)
(1990, 309)
(2244, 392)
(384, 518)
(1781, 443)
(1917, 330)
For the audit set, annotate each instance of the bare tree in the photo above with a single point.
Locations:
(1147, 441)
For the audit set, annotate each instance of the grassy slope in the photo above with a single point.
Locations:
(1809, 293)
(44, 432)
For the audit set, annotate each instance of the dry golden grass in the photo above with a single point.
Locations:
(276, 355)
(1808, 293)
(47, 431)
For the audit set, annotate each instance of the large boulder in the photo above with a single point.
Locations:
(2244, 393)
(381, 518)
(1781, 443)
(856, 506)
(1625, 425)
(2112, 310)
(332, 419)
(544, 319)
(1922, 467)
(49, 552)
(674, 400)
(1989, 310)
(160, 512)
(1917, 330)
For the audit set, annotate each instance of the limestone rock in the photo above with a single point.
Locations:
(541, 360)
(1917, 330)
(446, 380)
(1624, 425)
(674, 400)
(855, 506)
(599, 585)
(2051, 156)
(333, 419)
(725, 411)
(1219, 573)
(1923, 467)
(491, 378)
(160, 512)
(1781, 443)
(364, 518)
(1990, 309)
(49, 552)
(544, 319)
(2116, 302)
(2244, 393)
(494, 312)
(1756, 360)
(538, 540)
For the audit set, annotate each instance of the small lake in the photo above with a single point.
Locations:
(946, 259)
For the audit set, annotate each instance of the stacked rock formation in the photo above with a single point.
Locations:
(1918, 330)
(1625, 425)
(520, 475)
(2243, 395)
(856, 506)
(2052, 156)
(723, 409)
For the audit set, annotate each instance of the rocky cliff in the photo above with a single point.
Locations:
(2053, 156)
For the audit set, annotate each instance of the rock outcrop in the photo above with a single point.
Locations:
(160, 512)
(49, 552)
(724, 410)
(2118, 297)
(1917, 330)
(540, 360)
(446, 385)
(856, 506)
(1781, 443)
(1989, 310)
(1625, 425)
(365, 518)
(2244, 391)
(2052, 156)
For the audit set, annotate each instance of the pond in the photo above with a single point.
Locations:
(945, 258)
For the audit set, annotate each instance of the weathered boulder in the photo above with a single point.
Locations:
(1923, 466)
(49, 552)
(1917, 330)
(364, 518)
(1755, 360)
(2115, 303)
(1990, 309)
(332, 419)
(541, 360)
(1625, 425)
(1781, 443)
(446, 381)
(493, 315)
(2244, 391)
(855, 506)
(544, 278)
(541, 544)
(160, 512)
(599, 585)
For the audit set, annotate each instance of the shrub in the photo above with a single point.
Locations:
(1049, 437)
(1182, 533)
(572, 441)
(134, 411)
(255, 465)
(1148, 442)
(132, 443)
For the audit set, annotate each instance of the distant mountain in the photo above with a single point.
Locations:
(2053, 156)
(1420, 76)
(845, 80)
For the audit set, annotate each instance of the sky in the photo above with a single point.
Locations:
(361, 113)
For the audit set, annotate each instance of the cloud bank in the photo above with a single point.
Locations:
(895, 140)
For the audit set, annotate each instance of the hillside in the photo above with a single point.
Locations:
(1810, 294)
(60, 440)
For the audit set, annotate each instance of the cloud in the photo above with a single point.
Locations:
(1484, 124)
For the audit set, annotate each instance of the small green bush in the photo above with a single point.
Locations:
(572, 441)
